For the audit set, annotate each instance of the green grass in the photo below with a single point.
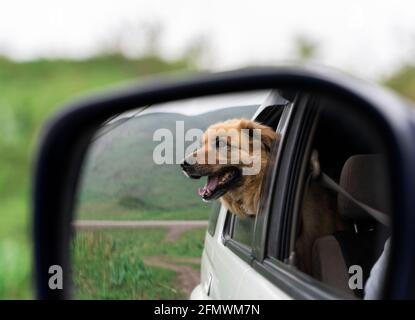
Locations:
(30, 93)
(403, 81)
(145, 242)
(15, 249)
(111, 210)
(121, 180)
(107, 263)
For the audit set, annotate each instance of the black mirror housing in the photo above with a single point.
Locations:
(66, 138)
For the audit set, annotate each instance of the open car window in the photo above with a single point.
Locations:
(330, 235)
(275, 113)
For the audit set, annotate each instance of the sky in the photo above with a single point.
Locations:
(191, 107)
(197, 106)
(367, 38)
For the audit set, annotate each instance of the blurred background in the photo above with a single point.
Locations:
(51, 51)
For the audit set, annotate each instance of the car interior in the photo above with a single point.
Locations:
(332, 233)
(329, 232)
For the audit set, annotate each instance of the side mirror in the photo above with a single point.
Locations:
(312, 124)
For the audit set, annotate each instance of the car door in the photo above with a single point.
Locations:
(257, 274)
(271, 266)
(356, 243)
(230, 253)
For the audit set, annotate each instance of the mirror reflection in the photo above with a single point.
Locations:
(176, 199)
(140, 223)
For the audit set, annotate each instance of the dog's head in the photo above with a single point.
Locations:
(227, 155)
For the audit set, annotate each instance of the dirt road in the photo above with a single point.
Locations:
(139, 224)
(175, 227)
(188, 276)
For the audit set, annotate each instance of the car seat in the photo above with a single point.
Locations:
(364, 178)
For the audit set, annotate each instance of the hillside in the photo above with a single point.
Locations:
(30, 92)
(121, 179)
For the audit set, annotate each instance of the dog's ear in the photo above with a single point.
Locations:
(268, 135)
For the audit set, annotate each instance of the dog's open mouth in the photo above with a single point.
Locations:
(219, 183)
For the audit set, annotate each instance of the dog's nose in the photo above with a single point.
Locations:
(189, 170)
(185, 165)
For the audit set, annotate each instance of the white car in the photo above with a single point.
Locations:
(338, 185)
(258, 258)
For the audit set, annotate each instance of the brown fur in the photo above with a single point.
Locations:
(318, 216)
(318, 219)
(243, 198)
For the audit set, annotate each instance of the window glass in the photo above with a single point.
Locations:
(213, 217)
(276, 115)
(243, 230)
(331, 237)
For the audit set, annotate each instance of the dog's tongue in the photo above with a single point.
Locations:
(211, 184)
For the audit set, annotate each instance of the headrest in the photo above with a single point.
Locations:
(364, 177)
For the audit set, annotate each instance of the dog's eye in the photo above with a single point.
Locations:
(220, 143)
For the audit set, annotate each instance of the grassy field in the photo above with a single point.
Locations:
(111, 210)
(122, 181)
(30, 92)
(108, 263)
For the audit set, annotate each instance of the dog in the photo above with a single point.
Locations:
(226, 181)
(241, 193)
